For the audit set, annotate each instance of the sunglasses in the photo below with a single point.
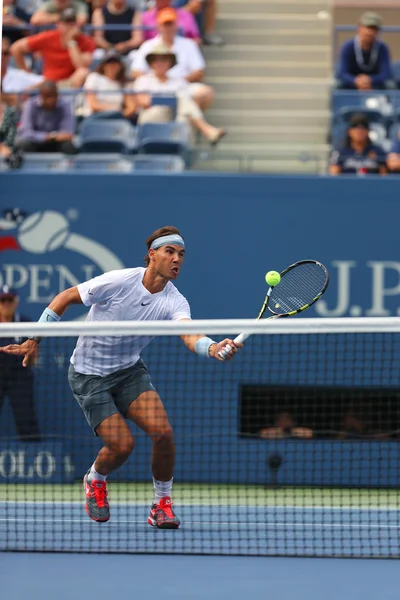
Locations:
(7, 299)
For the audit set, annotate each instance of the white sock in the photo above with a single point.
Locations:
(95, 476)
(162, 489)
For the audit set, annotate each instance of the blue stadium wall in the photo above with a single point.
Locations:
(236, 228)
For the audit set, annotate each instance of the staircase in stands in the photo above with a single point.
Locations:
(273, 80)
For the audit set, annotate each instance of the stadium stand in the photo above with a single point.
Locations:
(273, 111)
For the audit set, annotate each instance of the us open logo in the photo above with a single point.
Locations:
(42, 233)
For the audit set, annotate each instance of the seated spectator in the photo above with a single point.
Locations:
(50, 12)
(393, 159)
(104, 88)
(358, 155)
(8, 128)
(186, 22)
(66, 52)
(364, 61)
(117, 12)
(190, 62)
(47, 123)
(15, 81)
(161, 61)
(206, 16)
(13, 18)
(285, 428)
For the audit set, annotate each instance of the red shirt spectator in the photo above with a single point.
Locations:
(186, 22)
(66, 52)
(57, 64)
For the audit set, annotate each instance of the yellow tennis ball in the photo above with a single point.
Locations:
(272, 278)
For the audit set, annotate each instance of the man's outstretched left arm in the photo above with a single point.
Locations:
(208, 348)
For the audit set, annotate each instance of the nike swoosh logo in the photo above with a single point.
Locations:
(145, 304)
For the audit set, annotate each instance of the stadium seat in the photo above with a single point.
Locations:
(359, 101)
(170, 101)
(107, 135)
(158, 162)
(43, 161)
(345, 113)
(396, 72)
(395, 100)
(117, 163)
(164, 138)
(394, 133)
(107, 114)
(342, 98)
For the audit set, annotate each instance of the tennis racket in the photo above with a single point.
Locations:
(301, 285)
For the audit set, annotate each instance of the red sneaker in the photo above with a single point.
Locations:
(162, 516)
(97, 506)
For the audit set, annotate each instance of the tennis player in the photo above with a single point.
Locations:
(110, 381)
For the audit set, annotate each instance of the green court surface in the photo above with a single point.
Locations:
(233, 495)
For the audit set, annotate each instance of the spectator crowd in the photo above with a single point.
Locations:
(66, 60)
(111, 57)
(365, 67)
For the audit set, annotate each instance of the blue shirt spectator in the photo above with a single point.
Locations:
(47, 122)
(364, 61)
(358, 155)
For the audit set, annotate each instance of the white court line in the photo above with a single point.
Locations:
(62, 503)
(215, 524)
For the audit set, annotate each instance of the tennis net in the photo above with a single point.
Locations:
(290, 449)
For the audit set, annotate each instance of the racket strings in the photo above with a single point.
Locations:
(298, 287)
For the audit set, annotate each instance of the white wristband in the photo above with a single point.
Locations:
(202, 346)
(49, 315)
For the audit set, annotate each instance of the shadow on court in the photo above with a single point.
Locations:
(103, 577)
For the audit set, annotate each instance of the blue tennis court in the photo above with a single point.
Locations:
(146, 577)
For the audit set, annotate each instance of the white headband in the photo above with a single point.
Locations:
(173, 239)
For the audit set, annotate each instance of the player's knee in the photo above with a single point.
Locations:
(124, 447)
(164, 436)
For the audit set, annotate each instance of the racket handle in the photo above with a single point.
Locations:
(238, 339)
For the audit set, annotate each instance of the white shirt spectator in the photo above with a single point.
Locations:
(150, 84)
(18, 80)
(106, 90)
(188, 55)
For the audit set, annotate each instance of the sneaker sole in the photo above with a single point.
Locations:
(87, 508)
(167, 525)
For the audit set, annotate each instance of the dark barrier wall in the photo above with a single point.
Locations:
(58, 230)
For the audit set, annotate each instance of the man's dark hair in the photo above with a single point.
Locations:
(48, 87)
(168, 230)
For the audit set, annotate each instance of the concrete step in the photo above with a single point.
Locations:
(260, 22)
(268, 52)
(259, 164)
(277, 134)
(284, 7)
(260, 68)
(271, 101)
(279, 37)
(275, 150)
(258, 84)
(278, 118)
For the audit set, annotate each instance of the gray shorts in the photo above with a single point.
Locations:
(101, 397)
